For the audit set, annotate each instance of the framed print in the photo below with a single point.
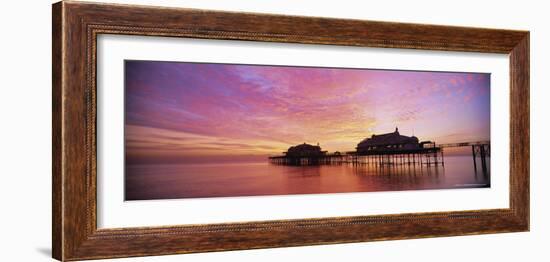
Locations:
(181, 130)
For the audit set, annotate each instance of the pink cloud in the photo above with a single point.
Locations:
(282, 106)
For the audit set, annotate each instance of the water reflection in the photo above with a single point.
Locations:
(253, 179)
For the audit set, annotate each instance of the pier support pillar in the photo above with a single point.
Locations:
(474, 157)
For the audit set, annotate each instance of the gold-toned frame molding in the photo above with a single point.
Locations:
(75, 28)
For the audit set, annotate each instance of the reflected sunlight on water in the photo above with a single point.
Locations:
(253, 179)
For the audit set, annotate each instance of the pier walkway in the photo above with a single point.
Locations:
(431, 155)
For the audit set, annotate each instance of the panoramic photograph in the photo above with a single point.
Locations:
(200, 130)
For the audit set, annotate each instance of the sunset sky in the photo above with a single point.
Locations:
(191, 112)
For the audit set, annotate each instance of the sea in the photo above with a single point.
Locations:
(175, 181)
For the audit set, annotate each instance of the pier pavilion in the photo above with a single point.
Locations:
(389, 142)
(394, 148)
(383, 149)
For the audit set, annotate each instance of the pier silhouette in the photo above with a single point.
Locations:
(385, 149)
(481, 149)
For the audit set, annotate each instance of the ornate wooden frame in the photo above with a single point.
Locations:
(76, 26)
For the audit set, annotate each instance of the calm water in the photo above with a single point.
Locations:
(253, 179)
